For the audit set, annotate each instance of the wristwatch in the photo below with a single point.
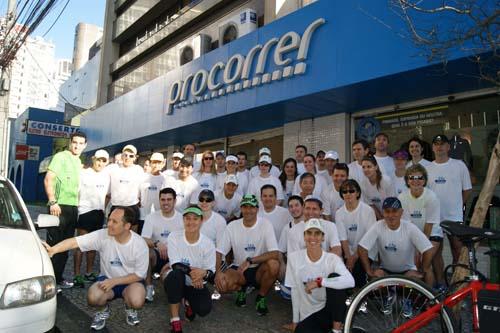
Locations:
(51, 203)
(155, 244)
(249, 259)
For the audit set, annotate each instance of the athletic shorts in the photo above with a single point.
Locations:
(159, 262)
(91, 221)
(436, 239)
(394, 273)
(250, 275)
(118, 289)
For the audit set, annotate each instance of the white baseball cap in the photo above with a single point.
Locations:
(265, 159)
(231, 179)
(264, 150)
(332, 154)
(314, 224)
(157, 157)
(130, 148)
(178, 155)
(101, 153)
(232, 158)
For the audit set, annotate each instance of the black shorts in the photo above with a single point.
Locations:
(91, 221)
(436, 239)
(250, 275)
(159, 262)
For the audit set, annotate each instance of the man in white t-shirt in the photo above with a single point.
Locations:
(242, 173)
(300, 153)
(176, 160)
(255, 170)
(450, 180)
(321, 169)
(125, 181)
(227, 201)
(331, 158)
(123, 265)
(256, 183)
(220, 163)
(270, 211)
(384, 161)
(231, 164)
(396, 240)
(360, 149)
(157, 226)
(185, 185)
(94, 186)
(255, 253)
(189, 151)
(331, 196)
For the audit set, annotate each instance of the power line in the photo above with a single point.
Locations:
(57, 18)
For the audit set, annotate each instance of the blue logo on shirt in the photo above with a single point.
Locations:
(375, 200)
(250, 248)
(152, 188)
(164, 233)
(391, 247)
(416, 214)
(124, 181)
(116, 262)
(222, 212)
(353, 228)
(440, 180)
(99, 186)
(185, 261)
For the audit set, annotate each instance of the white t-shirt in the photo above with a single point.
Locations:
(283, 240)
(288, 191)
(257, 182)
(396, 248)
(255, 171)
(278, 217)
(197, 255)
(243, 179)
(448, 180)
(319, 186)
(326, 176)
(300, 270)
(206, 181)
(248, 242)
(356, 172)
(399, 184)
(117, 260)
(227, 207)
(331, 201)
(214, 228)
(170, 173)
(353, 225)
(219, 181)
(296, 236)
(125, 183)
(186, 192)
(373, 196)
(385, 164)
(149, 191)
(92, 191)
(157, 227)
(423, 162)
(300, 168)
(422, 210)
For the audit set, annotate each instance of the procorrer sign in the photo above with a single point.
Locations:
(202, 86)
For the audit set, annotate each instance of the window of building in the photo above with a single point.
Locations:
(230, 34)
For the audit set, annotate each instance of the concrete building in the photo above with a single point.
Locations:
(85, 37)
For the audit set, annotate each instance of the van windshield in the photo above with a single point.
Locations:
(11, 213)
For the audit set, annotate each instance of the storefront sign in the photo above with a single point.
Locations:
(50, 129)
(202, 85)
(22, 152)
(414, 118)
(34, 153)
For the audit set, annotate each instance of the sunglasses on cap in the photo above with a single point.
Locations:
(416, 177)
(205, 200)
(351, 191)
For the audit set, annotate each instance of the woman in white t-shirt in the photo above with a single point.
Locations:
(206, 175)
(318, 280)
(416, 149)
(287, 178)
(375, 187)
(264, 178)
(400, 157)
(310, 167)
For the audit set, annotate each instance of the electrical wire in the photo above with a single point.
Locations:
(57, 18)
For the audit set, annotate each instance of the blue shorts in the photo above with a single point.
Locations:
(118, 289)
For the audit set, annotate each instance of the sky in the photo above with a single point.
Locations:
(62, 33)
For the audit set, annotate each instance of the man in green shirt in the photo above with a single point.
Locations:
(61, 185)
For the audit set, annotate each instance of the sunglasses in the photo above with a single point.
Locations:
(206, 200)
(208, 158)
(348, 191)
(416, 177)
(129, 155)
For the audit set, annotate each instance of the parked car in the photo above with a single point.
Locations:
(27, 282)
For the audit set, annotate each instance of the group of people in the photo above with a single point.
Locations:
(315, 227)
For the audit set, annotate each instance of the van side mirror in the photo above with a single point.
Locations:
(47, 221)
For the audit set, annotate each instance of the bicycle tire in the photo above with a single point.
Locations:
(446, 324)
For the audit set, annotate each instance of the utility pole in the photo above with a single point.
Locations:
(10, 19)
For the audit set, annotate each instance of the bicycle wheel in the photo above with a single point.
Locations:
(386, 303)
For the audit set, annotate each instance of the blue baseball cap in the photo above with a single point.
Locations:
(392, 202)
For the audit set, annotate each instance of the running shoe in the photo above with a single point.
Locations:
(79, 281)
(216, 295)
(188, 311)
(176, 326)
(150, 292)
(132, 316)
(387, 304)
(99, 321)
(261, 306)
(241, 298)
(90, 277)
(64, 284)
(285, 292)
(407, 308)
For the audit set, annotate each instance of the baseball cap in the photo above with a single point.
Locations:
(391, 202)
(177, 155)
(332, 154)
(130, 148)
(101, 153)
(206, 193)
(194, 210)
(157, 157)
(232, 158)
(440, 138)
(219, 153)
(249, 200)
(400, 154)
(314, 224)
(264, 150)
(265, 159)
(231, 179)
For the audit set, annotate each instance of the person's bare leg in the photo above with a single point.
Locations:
(134, 295)
(152, 263)
(266, 275)
(96, 297)
(77, 263)
(90, 261)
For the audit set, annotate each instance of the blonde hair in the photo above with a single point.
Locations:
(202, 164)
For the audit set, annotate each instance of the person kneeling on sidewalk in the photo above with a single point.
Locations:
(124, 264)
(318, 280)
(192, 259)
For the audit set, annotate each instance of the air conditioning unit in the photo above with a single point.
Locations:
(237, 25)
(194, 47)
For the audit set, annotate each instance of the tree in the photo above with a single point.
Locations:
(443, 29)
